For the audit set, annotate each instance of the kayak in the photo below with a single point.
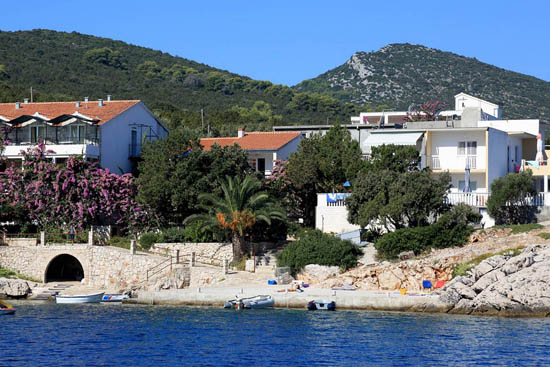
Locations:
(6, 308)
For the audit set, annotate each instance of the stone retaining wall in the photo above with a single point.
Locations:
(29, 242)
(210, 253)
(106, 267)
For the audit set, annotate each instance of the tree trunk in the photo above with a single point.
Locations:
(238, 246)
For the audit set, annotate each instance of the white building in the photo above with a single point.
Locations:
(470, 136)
(109, 132)
(263, 148)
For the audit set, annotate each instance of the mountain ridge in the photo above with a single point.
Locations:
(402, 73)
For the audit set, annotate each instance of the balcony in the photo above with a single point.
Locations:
(479, 199)
(537, 168)
(453, 163)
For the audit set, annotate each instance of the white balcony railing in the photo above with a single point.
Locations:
(455, 163)
(477, 199)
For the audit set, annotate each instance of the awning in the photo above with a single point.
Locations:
(397, 138)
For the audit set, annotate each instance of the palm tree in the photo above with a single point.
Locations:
(237, 210)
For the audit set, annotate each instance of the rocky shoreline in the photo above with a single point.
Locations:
(504, 285)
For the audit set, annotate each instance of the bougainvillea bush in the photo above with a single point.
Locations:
(76, 193)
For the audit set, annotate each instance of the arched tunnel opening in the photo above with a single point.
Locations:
(64, 268)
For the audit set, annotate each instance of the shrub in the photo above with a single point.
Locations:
(117, 241)
(462, 269)
(545, 236)
(196, 232)
(147, 240)
(316, 247)
(521, 228)
(509, 200)
(452, 229)
(172, 235)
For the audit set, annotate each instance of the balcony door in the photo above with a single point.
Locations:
(37, 133)
(467, 153)
(77, 134)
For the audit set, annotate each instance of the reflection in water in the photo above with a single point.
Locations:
(67, 335)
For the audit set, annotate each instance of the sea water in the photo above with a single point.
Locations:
(46, 334)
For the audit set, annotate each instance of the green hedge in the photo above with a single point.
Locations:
(315, 247)
(452, 229)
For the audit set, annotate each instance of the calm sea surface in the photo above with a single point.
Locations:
(98, 335)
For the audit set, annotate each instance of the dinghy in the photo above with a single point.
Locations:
(114, 297)
(321, 304)
(250, 303)
(6, 308)
(87, 298)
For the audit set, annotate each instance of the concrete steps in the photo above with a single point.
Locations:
(52, 291)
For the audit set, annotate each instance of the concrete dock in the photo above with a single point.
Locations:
(361, 300)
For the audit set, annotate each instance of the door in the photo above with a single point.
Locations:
(261, 165)
(133, 144)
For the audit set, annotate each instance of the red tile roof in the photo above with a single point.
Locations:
(54, 109)
(254, 140)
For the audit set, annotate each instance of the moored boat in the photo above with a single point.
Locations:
(251, 302)
(114, 297)
(86, 298)
(321, 304)
(6, 308)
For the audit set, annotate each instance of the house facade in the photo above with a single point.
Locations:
(263, 148)
(109, 132)
(472, 137)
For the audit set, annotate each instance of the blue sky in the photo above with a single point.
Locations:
(289, 41)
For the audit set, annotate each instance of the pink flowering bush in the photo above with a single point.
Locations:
(76, 193)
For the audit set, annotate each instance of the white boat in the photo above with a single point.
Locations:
(6, 308)
(251, 302)
(321, 304)
(114, 297)
(87, 298)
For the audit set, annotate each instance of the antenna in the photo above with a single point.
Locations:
(31, 94)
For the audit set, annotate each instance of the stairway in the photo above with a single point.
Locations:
(266, 264)
(52, 291)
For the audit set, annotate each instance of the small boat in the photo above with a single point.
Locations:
(114, 297)
(87, 298)
(250, 303)
(6, 308)
(321, 304)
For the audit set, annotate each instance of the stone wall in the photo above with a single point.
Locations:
(209, 253)
(107, 267)
(28, 242)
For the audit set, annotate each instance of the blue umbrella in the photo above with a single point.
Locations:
(347, 184)
(467, 178)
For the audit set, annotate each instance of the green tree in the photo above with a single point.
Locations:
(106, 56)
(323, 163)
(175, 170)
(237, 210)
(400, 196)
(509, 202)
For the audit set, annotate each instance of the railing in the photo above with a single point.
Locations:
(49, 141)
(459, 162)
(161, 266)
(332, 199)
(477, 199)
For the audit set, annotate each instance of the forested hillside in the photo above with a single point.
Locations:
(401, 74)
(69, 66)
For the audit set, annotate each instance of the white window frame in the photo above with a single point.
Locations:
(35, 135)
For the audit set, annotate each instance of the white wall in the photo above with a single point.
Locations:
(478, 178)
(498, 142)
(116, 137)
(463, 101)
(447, 142)
(332, 218)
(528, 126)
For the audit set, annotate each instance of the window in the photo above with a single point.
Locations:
(462, 183)
(261, 165)
(37, 133)
(467, 148)
(77, 133)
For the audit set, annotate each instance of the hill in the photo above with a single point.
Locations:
(401, 74)
(70, 66)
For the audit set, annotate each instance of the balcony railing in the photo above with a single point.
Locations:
(477, 199)
(437, 162)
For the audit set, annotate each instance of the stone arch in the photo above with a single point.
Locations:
(64, 267)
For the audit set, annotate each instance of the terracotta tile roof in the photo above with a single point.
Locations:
(254, 140)
(54, 109)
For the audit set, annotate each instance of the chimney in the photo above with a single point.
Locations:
(86, 99)
(26, 100)
(17, 105)
(108, 98)
(100, 102)
(77, 104)
(240, 133)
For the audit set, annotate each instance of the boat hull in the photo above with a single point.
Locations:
(6, 308)
(111, 298)
(251, 303)
(89, 298)
(324, 305)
